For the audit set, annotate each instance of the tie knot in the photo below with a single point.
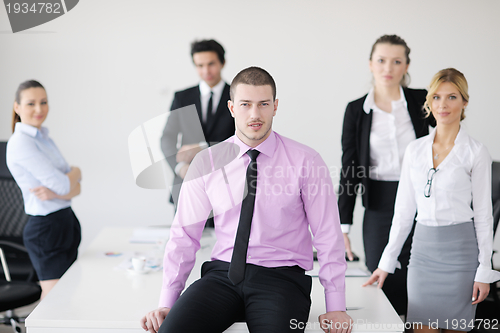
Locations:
(253, 154)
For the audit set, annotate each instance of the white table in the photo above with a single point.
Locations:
(95, 296)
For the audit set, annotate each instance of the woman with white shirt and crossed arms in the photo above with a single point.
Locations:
(446, 179)
(52, 234)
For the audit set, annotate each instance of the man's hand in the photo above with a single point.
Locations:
(336, 322)
(183, 171)
(348, 251)
(43, 193)
(483, 289)
(152, 321)
(377, 276)
(187, 153)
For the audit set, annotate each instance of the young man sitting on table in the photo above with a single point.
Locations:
(265, 192)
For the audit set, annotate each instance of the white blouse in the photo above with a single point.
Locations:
(34, 160)
(461, 181)
(205, 92)
(390, 134)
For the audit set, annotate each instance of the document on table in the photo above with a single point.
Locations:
(150, 235)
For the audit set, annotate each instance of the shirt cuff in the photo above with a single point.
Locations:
(335, 301)
(168, 298)
(178, 167)
(345, 228)
(486, 275)
(388, 265)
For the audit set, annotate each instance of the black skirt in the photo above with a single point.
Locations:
(376, 227)
(52, 242)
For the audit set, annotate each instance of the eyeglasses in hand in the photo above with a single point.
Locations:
(430, 176)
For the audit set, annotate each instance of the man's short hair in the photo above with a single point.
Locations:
(254, 76)
(208, 45)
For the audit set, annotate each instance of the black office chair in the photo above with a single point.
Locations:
(15, 294)
(495, 196)
(17, 275)
(12, 222)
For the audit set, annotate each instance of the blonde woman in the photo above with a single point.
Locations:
(446, 180)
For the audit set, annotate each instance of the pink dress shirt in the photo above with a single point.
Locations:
(294, 195)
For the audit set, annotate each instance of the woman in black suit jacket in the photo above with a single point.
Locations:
(377, 128)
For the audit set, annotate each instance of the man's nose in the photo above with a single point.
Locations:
(255, 112)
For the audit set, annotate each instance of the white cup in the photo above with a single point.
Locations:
(139, 263)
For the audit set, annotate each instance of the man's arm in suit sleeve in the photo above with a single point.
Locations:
(171, 133)
(349, 174)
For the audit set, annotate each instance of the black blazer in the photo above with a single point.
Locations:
(356, 147)
(220, 128)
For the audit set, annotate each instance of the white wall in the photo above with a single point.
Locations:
(111, 65)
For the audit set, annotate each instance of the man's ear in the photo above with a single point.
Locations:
(230, 106)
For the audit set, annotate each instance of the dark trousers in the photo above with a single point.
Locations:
(376, 227)
(268, 299)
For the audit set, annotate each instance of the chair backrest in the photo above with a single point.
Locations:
(495, 193)
(4, 171)
(495, 181)
(12, 215)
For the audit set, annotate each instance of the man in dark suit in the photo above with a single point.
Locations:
(204, 104)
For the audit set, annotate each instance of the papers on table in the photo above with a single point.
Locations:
(150, 235)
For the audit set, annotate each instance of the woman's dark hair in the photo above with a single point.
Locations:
(395, 40)
(23, 86)
(208, 46)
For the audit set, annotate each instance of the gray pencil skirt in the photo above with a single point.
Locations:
(441, 273)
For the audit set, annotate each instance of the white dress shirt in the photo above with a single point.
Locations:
(34, 160)
(205, 91)
(390, 135)
(462, 181)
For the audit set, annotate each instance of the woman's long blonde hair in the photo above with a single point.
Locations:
(452, 76)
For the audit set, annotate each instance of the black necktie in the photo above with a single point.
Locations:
(238, 261)
(209, 109)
